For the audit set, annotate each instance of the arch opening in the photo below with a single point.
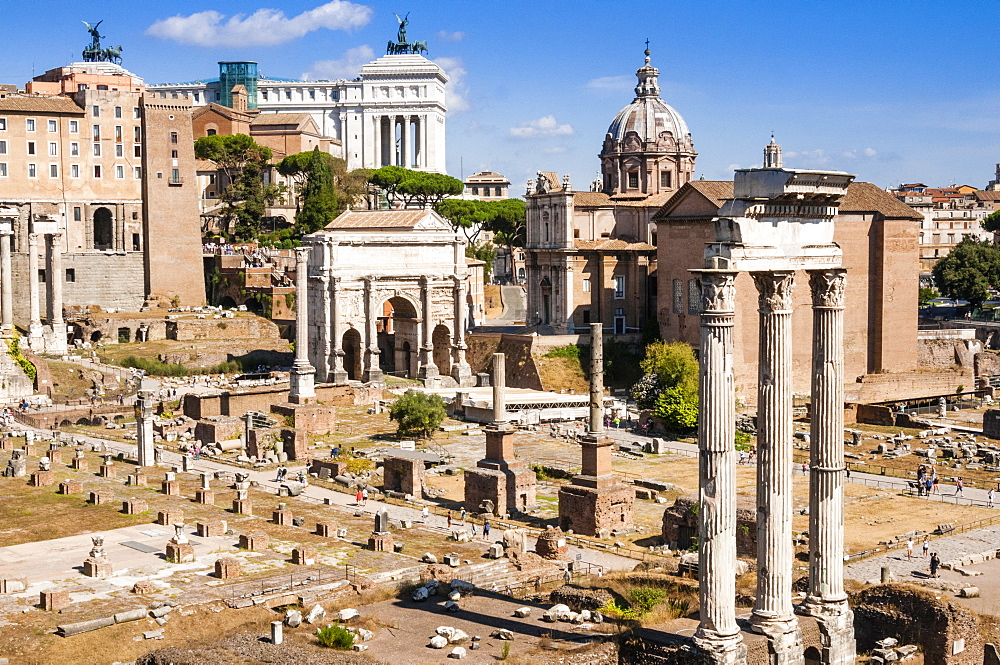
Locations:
(352, 354)
(398, 334)
(104, 229)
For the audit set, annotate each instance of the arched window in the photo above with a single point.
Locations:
(103, 229)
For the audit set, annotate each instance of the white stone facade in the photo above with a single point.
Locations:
(387, 294)
(392, 114)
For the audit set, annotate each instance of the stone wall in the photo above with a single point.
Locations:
(238, 402)
(906, 385)
(240, 327)
(916, 616)
(680, 524)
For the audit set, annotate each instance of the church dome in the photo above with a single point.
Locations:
(648, 116)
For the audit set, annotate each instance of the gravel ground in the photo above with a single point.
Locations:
(250, 649)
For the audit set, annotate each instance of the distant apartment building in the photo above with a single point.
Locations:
(948, 214)
(487, 186)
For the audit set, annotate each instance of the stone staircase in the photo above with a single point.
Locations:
(485, 575)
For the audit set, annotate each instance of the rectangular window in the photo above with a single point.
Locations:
(74, 126)
(586, 316)
(74, 171)
(3, 169)
(53, 148)
(678, 296)
(77, 213)
(118, 111)
(633, 179)
(175, 175)
(95, 111)
(119, 150)
(173, 137)
(137, 150)
(97, 132)
(31, 147)
(137, 172)
(119, 172)
(288, 95)
(41, 275)
(74, 149)
(53, 170)
(32, 171)
(586, 285)
(118, 133)
(694, 297)
(137, 134)
(97, 170)
(263, 95)
(53, 126)
(135, 112)
(29, 124)
(3, 147)
(3, 124)
(70, 274)
(136, 243)
(173, 154)
(97, 150)
(619, 287)
(664, 178)
(197, 97)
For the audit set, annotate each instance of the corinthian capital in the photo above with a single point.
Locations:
(774, 290)
(827, 287)
(718, 290)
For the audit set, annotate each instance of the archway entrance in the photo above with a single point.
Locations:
(104, 229)
(442, 349)
(352, 354)
(397, 328)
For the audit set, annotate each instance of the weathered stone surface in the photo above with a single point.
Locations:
(71, 487)
(169, 517)
(130, 615)
(211, 529)
(551, 544)
(180, 552)
(255, 542)
(66, 630)
(134, 506)
(579, 598)
(54, 600)
(304, 555)
(227, 568)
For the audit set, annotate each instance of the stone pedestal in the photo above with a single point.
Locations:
(30, 450)
(551, 544)
(53, 601)
(180, 552)
(211, 529)
(403, 474)
(500, 478)
(227, 568)
(171, 487)
(137, 479)
(43, 479)
(596, 502)
(98, 567)
(79, 464)
(71, 487)
(107, 471)
(55, 456)
(325, 529)
(242, 507)
(169, 517)
(101, 496)
(304, 555)
(255, 542)
(134, 506)
(381, 542)
(282, 515)
(204, 496)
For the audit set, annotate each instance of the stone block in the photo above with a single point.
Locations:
(325, 529)
(54, 600)
(143, 587)
(55, 456)
(171, 487)
(227, 568)
(211, 529)
(101, 496)
(168, 517)
(79, 464)
(107, 471)
(134, 506)
(180, 552)
(11, 586)
(137, 479)
(304, 555)
(204, 496)
(255, 542)
(282, 515)
(381, 542)
(43, 479)
(98, 567)
(71, 487)
(969, 592)
(242, 507)
(341, 532)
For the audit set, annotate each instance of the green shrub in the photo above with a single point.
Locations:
(417, 414)
(505, 651)
(335, 637)
(14, 351)
(159, 368)
(569, 351)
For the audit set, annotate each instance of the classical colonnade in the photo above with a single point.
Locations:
(401, 140)
(773, 614)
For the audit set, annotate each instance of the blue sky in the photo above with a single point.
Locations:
(893, 92)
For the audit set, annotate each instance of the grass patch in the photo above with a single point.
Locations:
(335, 637)
(155, 367)
(569, 351)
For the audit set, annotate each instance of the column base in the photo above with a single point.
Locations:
(426, 368)
(56, 343)
(836, 625)
(338, 376)
(372, 372)
(36, 337)
(784, 640)
(721, 649)
(303, 380)
(462, 373)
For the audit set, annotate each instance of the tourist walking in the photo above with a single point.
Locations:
(989, 498)
(425, 513)
(909, 549)
(364, 497)
(958, 487)
(805, 468)
(449, 520)
(463, 514)
(486, 529)
(935, 563)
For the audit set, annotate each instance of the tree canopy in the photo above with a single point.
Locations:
(992, 222)
(414, 187)
(970, 271)
(417, 413)
(319, 200)
(670, 384)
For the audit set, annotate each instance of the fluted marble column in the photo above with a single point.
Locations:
(35, 338)
(372, 371)
(338, 373)
(6, 282)
(827, 600)
(718, 635)
(773, 613)
(460, 369)
(428, 369)
(302, 388)
(57, 344)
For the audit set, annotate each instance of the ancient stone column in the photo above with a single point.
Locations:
(718, 635)
(58, 343)
(460, 369)
(372, 371)
(499, 388)
(144, 427)
(773, 613)
(428, 369)
(303, 373)
(6, 282)
(35, 339)
(826, 599)
(596, 379)
(339, 374)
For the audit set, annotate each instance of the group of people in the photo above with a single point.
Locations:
(925, 546)
(300, 477)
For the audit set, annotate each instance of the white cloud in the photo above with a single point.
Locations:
(346, 67)
(544, 126)
(623, 82)
(446, 36)
(457, 92)
(854, 154)
(808, 157)
(733, 167)
(265, 27)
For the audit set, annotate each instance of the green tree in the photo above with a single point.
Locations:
(408, 187)
(926, 294)
(666, 365)
(319, 200)
(970, 271)
(485, 252)
(677, 409)
(417, 414)
(242, 163)
(349, 187)
(992, 222)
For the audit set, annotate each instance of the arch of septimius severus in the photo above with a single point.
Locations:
(780, 221)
